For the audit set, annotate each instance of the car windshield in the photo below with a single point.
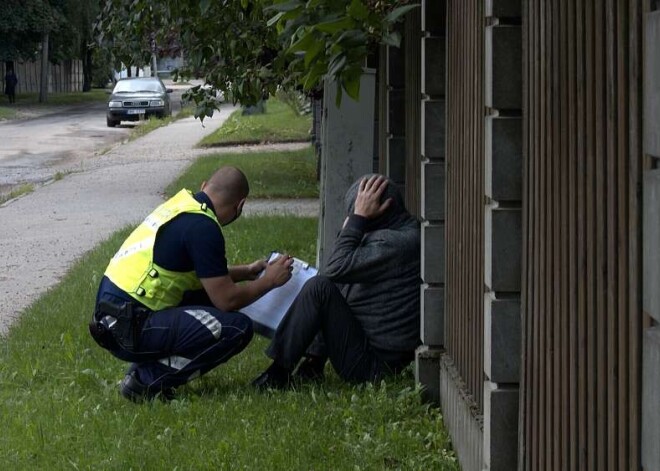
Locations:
(128, 86)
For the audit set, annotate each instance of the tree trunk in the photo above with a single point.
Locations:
(87, 70)
(43, 88)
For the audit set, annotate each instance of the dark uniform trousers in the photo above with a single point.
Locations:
(182, 343)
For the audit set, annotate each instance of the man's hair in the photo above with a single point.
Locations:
(229, 184)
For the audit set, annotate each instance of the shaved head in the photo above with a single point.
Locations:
(227, 184)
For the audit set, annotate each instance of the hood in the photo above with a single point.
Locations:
(394, 217)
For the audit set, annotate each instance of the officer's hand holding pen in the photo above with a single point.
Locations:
(279, 270)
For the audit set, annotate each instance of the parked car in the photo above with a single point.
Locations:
(135, 98)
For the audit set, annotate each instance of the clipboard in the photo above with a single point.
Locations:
(267, 312)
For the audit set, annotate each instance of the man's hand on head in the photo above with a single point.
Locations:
(367, 202)
(279, 270)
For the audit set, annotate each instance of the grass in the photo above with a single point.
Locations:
(278, 124)
(61, 408)
(16, 192)
(155, 123)
(71, 98)
(7, 113)
(60, 175)
(289, 174)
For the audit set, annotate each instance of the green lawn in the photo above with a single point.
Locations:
(278, 124)
(290, 174)
(95, 94)
(61, 408)
(154, 123)
(6, 112)
(16, 192)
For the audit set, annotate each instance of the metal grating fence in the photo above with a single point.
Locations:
(582, 318)
(465, 194)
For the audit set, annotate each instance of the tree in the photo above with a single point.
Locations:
(22, 25)
(52, 29)
(76, 37)
(333, 38)
(247, 48)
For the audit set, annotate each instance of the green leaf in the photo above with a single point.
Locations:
(358, 10)
(352, 87)
(274, 19)
(314, 75)
(313, 51)
(284, 6)
(204, 6)
(398, 12)
(336, 64)
(352, 38)
(335, 25)
(303, 43)
(244, 4)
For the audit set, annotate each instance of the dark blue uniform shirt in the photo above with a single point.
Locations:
(189, 242)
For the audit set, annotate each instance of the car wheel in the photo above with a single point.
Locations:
(111, 122)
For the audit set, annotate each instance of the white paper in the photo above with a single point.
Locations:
(267, 311)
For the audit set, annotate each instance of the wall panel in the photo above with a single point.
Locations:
(465, 194)
(581, 267)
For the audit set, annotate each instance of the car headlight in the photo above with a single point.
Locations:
(114, 104)
(156, 103)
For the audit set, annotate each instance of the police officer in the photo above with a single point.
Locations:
(168, 301)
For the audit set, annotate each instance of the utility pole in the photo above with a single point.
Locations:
(154, 61)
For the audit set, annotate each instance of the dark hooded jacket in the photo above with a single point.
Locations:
(376, 264)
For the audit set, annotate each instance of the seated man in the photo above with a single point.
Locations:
(168, 301)
(366, 306)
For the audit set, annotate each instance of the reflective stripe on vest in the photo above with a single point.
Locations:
(133, 269)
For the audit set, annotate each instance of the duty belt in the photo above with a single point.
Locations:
(118, 325)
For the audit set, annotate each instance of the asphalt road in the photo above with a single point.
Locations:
(61, 140)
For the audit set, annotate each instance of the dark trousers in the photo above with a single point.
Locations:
(321, 309)
(182, 343)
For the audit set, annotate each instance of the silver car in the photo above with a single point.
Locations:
(136, 98)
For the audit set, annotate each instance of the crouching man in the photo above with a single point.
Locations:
(168, 302)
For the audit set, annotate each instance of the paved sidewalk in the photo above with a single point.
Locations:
(43, 233)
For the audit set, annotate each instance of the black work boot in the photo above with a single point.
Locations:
(311, 369)
(134, 390)
(275, 377)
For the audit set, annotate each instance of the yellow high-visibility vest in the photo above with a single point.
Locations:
(133, 269)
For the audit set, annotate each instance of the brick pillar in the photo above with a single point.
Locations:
(392, 113)
(432, 197)
(503, 232)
